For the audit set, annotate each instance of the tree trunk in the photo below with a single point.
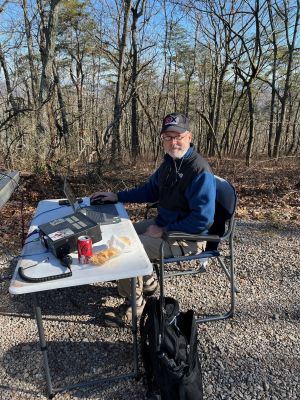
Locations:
(33, 70)
(251, 125)
(116, 125)
(9, 89)
(291, 50)
(64, 129)
(135, 143)
(48, 31)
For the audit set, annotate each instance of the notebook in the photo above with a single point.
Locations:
(103, 214)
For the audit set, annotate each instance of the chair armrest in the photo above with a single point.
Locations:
(190, 236)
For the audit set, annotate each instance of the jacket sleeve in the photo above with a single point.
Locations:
(147, 193)
(201, 196)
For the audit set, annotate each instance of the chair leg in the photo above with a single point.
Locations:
(222, 264)
(229, 274)
(233, 291)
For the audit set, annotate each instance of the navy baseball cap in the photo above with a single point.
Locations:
(175, 122)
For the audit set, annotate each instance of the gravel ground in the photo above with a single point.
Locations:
(255, 355)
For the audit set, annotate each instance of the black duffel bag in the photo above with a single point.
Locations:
(169, 351)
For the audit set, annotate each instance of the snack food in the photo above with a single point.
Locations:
(116, 245)
(104, 255)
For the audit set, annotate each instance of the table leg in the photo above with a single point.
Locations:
(134, 325)
(43, 345)
(38, 315)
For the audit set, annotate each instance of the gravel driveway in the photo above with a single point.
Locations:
(254, 356)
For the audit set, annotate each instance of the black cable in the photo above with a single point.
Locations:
(31, 241)
(45, 212)
(66, 261)
(35, 254)
(32, 233)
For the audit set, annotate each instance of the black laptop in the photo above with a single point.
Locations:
(103, 214)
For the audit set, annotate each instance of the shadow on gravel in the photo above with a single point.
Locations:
(265, 227)
(8, 389)
(87, 300)
(70, 363)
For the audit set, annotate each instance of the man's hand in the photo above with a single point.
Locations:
(154, 231)
(110, 196)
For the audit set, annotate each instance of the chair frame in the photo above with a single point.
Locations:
(227, 236)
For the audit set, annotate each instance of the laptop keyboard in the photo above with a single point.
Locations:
(104, 214)
(94, 215)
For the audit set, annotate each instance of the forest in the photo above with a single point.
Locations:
(88, 82)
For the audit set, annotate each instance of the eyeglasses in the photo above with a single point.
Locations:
(169, 138)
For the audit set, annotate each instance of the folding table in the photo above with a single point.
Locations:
(127, 265)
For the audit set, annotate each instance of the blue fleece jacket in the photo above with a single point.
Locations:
(200, 194)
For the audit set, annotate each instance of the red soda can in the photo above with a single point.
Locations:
(85, 249)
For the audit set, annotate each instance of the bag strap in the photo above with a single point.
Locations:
(170, 312)
(162, 298)
(149, 307)
(150, 312)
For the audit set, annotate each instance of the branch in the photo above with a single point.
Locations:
(212, 132)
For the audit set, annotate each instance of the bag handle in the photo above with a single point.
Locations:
(162, 295)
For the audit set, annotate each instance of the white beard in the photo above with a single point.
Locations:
(176, 153)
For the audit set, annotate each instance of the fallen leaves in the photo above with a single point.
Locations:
(266, 193)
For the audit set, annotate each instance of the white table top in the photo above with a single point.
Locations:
(127, 265)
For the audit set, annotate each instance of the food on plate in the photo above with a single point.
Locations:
(104, 255)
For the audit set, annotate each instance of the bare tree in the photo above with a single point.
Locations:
(118, 100)
(137, 12)
(95, 81)
(246, 56)
(42, 84)
(291, 34)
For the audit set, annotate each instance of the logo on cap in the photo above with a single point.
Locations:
(171, 120)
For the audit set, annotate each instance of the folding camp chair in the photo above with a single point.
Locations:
(222, 230)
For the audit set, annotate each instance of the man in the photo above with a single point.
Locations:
(185, 190)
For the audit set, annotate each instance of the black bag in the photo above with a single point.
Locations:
(169, 351)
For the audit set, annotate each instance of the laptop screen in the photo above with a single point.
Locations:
(70, 195)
